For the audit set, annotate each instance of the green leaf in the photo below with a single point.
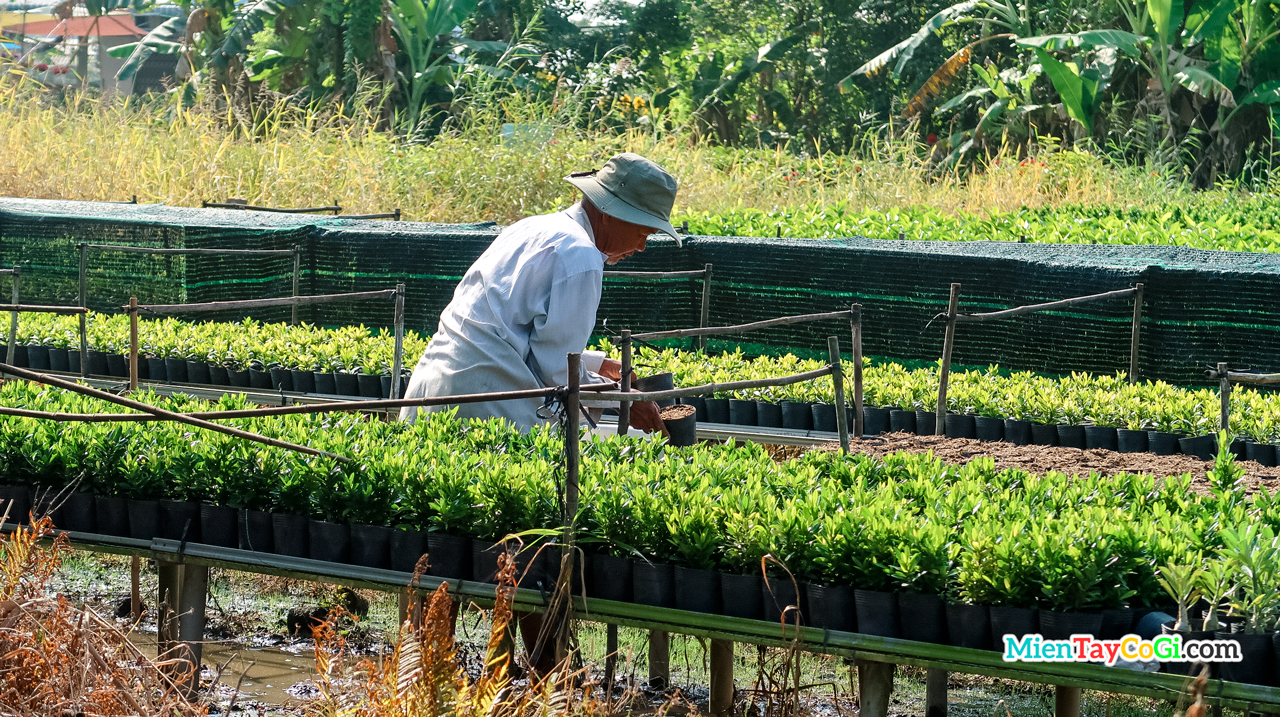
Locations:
(1267, 93)
(248, 23)
(165, 39)
(1126, 42)
(1166, 15)
(1070, 88)
(906, 49)
(1203, 83)
(1206, 19)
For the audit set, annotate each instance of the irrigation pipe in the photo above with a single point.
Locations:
(162, 413)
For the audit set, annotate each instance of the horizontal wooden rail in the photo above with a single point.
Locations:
(157, 250)
(698, 274)
(330, 407)
(8, 271)
(713, 387)
(740, 328)
(758, 632)
(255, 208)
(1258, 378)
(264, 303)
(1032, 308)
(38, 309)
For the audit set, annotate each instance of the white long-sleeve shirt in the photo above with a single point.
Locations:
(529, 300)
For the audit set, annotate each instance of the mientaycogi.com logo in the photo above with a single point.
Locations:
(1130, 648)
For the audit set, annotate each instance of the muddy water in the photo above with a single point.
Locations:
(273, 675)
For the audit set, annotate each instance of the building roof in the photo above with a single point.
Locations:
(104, 26)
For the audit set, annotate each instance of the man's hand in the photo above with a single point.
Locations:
(612, 369)
(644, 415)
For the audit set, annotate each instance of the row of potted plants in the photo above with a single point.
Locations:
(999, 542)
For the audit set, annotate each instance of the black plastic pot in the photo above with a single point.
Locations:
(255, 530)
(609, 578)
(324, 382)
(237, 378)
(59, 359)
(1261, 453)
(144, 519)
(1016, 621)
(797, 415)
(1017, 432)
(684, 431)
(1203, 447)
(988, 428)
(386, 385)
(1071, 436)
(1161, 443)
(98, 364)
(19, 356)
(409, 545)
(1117, 622)
(46, 502)
(697, 590)
(347, 384)
(778, 595)
(960, 425)
(969, 626)
(219, 525)
(370, 385)
(156, 370)
(371, 546)
(653, 584)
(742, 413)
(1186, 668)
(260, 380)
(1044, 434)
(656, 382)
(198, 372)
(177, 516)
(484, 560)
(877, 613)
(926, 618)
(1101, 437)
(449, 555)
(73, 359)
(768, 414)
(1057, 625)
(831, 607)
(176, 369)
(1239, 448)
(281, 379)
(1256, 651)
(699, 404)
(717, 410)
(291, 535)
(78, 513)
(926, 423)
(303, 381)
(1275, 660)
(875, 420)
(740, 596)
(824, 417)
(17, 502)
(902, 421)
(117, 365)
(111, 515)
(38, 358)
(1131, 441)
(330, 542)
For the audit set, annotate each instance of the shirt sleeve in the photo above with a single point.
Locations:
(565, 328)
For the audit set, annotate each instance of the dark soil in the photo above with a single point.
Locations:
(1041, 459)
(671, 413)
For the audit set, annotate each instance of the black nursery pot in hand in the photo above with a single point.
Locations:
(697, 590)
(409, 545)
(831, 607)
(256, 531)
(291, 535)
(371, 546)
(797, 415)
(926, 618)
(330, 542)
(653, 584)
(610, 578)
(877, 613)
(219, 525)
(969, 626)
(740, 596)
(449, 555)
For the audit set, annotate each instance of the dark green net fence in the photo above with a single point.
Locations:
(1201, 306)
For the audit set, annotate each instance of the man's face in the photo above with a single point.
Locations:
(618, 240)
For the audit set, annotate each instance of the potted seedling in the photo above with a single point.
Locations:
(1182, 581)
(693, 528)
(1254, 553)
(918, 567)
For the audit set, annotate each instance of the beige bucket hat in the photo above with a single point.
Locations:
(632, 189)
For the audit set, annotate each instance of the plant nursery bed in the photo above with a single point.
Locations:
(1040, 459)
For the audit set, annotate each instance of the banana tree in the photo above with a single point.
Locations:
(419, 26)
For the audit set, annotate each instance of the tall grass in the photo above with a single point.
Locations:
(88, 149)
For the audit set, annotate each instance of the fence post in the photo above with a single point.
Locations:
(133, 343)
(624, 407)
(705, 317)
(837, 381)
(875, 686)
(721, 702)
(1224, 392)
(935, 700)
(297, 274)
(397, 358)
(571, 440)
(191, 620)
(84, 302)
(1066, 701)
(941, 427)
(1135, 332)
(610, 658)
(13, 317)
(855, 321)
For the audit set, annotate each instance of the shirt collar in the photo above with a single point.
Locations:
(579, 215)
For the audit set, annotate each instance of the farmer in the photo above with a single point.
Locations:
(531, 298)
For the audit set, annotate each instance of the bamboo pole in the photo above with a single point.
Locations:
(855, 324)
(659, 659)
(1135, 332)
(571, 437)
(397, 356)
(945, 373)
(705, 316)
(297, 275)
(837, 382)
(875, 687)
(1033, 308)
(191, 622)
(1224, 393)
(741, 328)
(135, 588)
(133, 343)
(266, 303)
(44, 309)
(37, 377)
(83, 297)
(935, 700)
(13, 316)
(624, 407)
(714, 387)
(721, 703)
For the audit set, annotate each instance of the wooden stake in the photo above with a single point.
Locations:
(875, 686)
(837, 381)
(135, 589)
(13, 316)
(855, 322)
(572, 434)
(610, 657)
(947, 344)
(297, 275)
(133, 343)
(659, 659)
(706, 306)
(1134, 333)
(1066, 701)
(721, 678)
(1224, 393)
(624, 407)
(84, 301)
(191, 620)
(935, 700)
(397, 356)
